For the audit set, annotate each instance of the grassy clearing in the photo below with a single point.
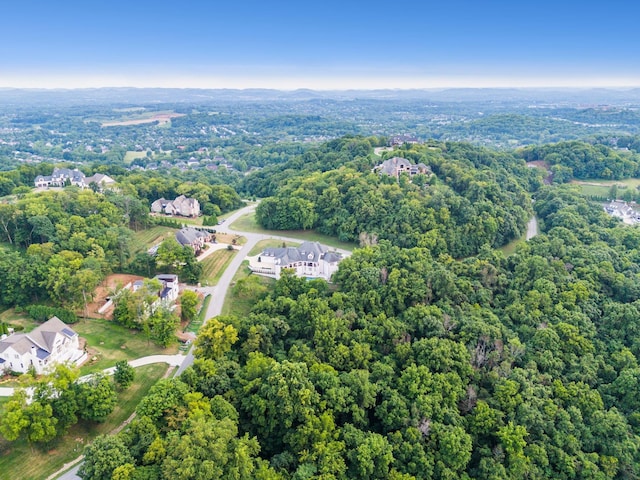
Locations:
(214, 266)
(131, 155)
(594, 190)
(601, 188)
(109, 343)
(145, 239)
(247, 223)
(19, 460)
(15, 319)
(242, 305)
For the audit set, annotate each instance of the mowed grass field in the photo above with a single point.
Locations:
(145, 239)
(241, 305)
(600, 188)
(108, 343)
(214, 266)
(247, 223)
(18, 460)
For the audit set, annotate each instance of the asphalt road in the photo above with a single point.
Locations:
(218, 292)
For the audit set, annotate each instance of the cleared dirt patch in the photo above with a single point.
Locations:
(107, 288)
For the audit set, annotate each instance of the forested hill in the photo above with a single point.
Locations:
(417, 367)
(476, 197)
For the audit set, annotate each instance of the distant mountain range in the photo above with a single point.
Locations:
(137, 96)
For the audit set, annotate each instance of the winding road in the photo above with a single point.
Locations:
(218, 294)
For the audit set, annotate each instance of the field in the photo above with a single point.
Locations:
(600, 188)
(19, 460)
(145, 239)
(140, 118)
(247, 223)
(241, 305)
(109, 343)
(131, 155)
(214, 266)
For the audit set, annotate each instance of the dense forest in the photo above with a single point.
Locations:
(474, 197)
(431, 355)
(417, 366)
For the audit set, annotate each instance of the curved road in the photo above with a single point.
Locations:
(218, 293)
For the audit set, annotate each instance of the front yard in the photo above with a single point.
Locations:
(18, 460)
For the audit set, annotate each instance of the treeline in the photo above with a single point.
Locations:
(58, 400)
(472, 200)
(64, 242)
(583, 160)
(417, 367)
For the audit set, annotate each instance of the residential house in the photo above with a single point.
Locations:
(63, 176)
(169, 290)
(311, 260)
(193, 237)
(183, 206)
(395, 166)
(51, 343)
(402, 139)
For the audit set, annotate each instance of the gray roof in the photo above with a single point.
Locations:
(188, 235)
(307, 252)
(42, 337)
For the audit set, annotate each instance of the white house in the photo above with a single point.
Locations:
(52, 343)
(311, 260)
(61, 176)
(170, 288)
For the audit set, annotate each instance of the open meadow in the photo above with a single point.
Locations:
(247, 223)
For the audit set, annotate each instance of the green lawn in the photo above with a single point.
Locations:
(600, 187)
(19, 461)
(247, 223)
(109, 343)
(131, 155)
(214, 266)
(242, 305)
(145, 239)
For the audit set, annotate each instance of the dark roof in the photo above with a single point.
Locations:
(41, 354)
(307, 252)
(165, 291)
(69, 333)
(189, 235)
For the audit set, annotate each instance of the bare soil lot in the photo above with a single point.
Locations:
(110, 284)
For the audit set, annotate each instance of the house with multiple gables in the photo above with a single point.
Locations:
(51, 343)
(182, 206)
(395, 166)
(311, 260)
(63, 176)
(193, 237)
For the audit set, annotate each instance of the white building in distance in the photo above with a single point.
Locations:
(183, 206)
(63, 176)
(311, 260)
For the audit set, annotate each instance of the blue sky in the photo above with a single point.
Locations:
(323, 45)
